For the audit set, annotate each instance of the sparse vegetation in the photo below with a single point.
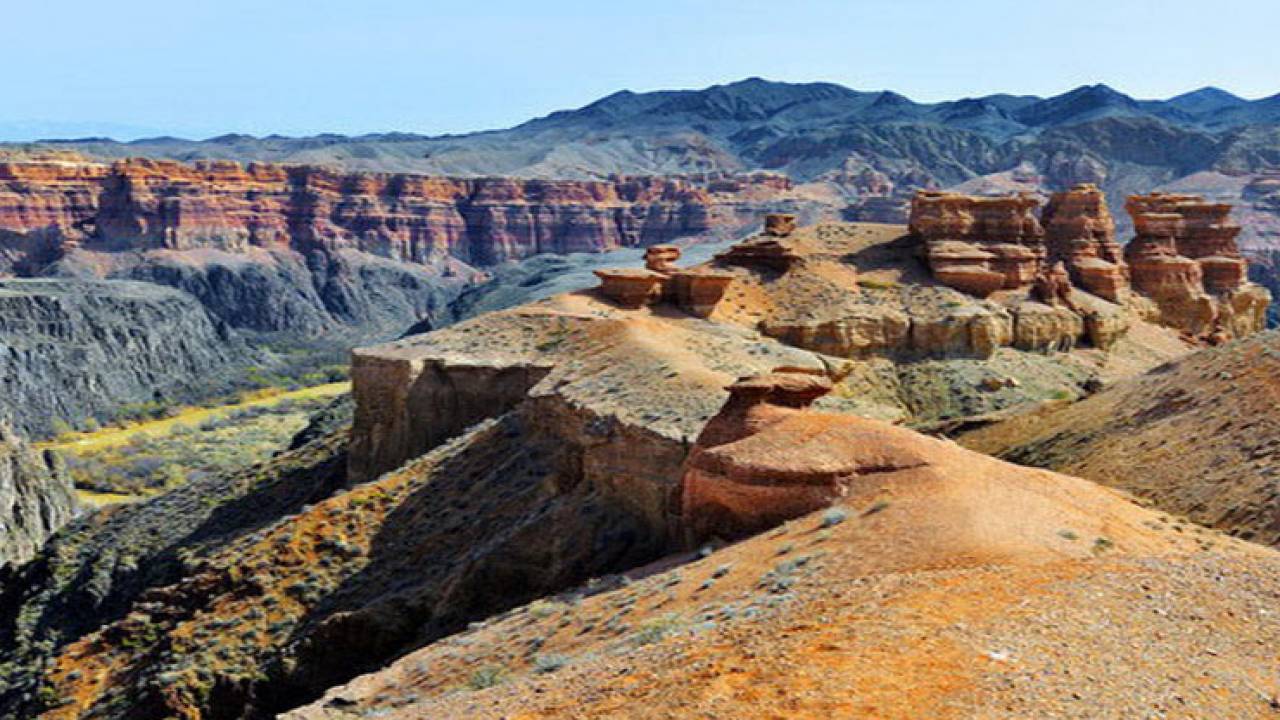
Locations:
(487, 677)
(834, 516)
(147, 461)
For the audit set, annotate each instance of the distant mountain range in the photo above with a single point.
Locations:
(861, 144)
(806, 130)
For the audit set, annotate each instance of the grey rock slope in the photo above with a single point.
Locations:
(71, 350)
(36, 498)
(338, 298)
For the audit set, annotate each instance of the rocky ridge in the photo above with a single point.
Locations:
(944, 565)
(36, 499)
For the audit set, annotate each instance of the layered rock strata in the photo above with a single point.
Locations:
(1185, 258)
(142, 204)
(979, 244)
(1080, 232)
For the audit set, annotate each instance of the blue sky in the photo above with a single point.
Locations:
(198, 68)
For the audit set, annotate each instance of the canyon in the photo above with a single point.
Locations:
(591, 453)
(71, 350)
(668, 443)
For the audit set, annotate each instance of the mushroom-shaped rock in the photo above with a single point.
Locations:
(779, 224)
(630, 288)
(697, 292)
(767, 458)
(661, 258)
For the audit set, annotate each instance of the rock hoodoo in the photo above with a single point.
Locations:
(1080, 232)
(696, 291)
(764, 458)
(1184, 257)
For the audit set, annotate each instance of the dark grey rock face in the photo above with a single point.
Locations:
(345, 297)
(36, 498)
(72, 349)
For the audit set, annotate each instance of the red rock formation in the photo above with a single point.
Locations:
(1080, 232)
(697, 292)
(779, 224)
(1185, 258)
(1053, 287)
(763, 251)
(661, 258)
(142, 204)
(964, 266)
(763, 459)
(631, 288)
(983, 220)
(968, 240)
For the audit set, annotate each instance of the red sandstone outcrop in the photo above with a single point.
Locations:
(1186, 259)
(1080, 232)
(144, 204)
(696, 291)
(969, 240)
(661, 258)
(763, 459)
(1053, 287)
(761, 252)
(631, 288)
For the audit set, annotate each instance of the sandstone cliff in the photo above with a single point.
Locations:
(36, 499)
(313, 251)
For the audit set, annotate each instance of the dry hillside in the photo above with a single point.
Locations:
(1198, 437)
(957, 587)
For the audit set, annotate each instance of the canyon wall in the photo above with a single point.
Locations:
(48, 208)
(334, 256)
(71, 350)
